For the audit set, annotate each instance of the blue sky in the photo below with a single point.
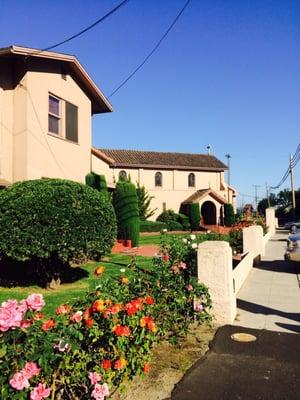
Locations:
(227, 75)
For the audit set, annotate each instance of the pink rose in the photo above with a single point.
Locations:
(100, 391)
(94, 377)
(26, 323)
(31, 369)
(182, 265)
(189, 288)
(19, 381)
(40, 392)
(10, 315)
(198, 307)
(76, 317)
(35, 302)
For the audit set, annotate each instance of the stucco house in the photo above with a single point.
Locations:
(172, 178)
(47, 100)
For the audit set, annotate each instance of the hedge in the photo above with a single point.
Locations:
(46, 219)
(192, 210)
(152, 226)
(229, 218)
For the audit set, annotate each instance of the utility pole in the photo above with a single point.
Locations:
(256, 198)
(267, 193)
(292, 185)
(208, 149)
(228, 156)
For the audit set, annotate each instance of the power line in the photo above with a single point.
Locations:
(152, 51)
(88, 28)
(294, 161)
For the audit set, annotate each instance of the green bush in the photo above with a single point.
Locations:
(236, 240)
(152, 226)
(184, 221)
(127, 211)
(97, 182)
(175, 226)
(229, 218)
(167, 216)
(53, 219)
(192, 210)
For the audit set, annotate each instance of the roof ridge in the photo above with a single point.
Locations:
(154, 151)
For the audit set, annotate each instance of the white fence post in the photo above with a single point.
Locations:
(253, 241)
(215, 271)
(271, 220)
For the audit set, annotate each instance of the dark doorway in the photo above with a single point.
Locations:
(209, 213)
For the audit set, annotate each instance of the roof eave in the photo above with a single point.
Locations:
(100, 103)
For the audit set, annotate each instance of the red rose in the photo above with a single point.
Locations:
(106, 364)
(149, 300)
(147, 368)
(49, 324)
(121, 330)
(89, 322)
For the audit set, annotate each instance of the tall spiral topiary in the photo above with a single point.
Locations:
(127, 211)
(192, 210)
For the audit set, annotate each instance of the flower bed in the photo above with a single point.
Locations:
(90, 347)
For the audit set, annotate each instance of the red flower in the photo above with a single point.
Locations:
(121, 330)
(49, 324)
(98, 306)
(147, 368)
(134, 306)
(120, 363)
(166, 257)
(106, 364)
(89, 322)
(149, 323)
(38, 316)
(63, 309)
(149, 300)
(87, 313)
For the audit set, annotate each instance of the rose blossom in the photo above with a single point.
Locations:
(31, 369)
(100, 391)
(193, 237)
(40, 392)
(76, 317)
(94, 377)
(189, 288)
(11, 315)
(194, 246)
(35, 302)
(106, 364)
(184, 240)
(19, 381)
(198, 307)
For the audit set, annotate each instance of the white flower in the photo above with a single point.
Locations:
(165, 230)
(184, 240)
(193, 237)
(208, 231)
(194, 245)
(122, 270)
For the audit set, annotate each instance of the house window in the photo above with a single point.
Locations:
(158, 179)
(191, 180)
(54, 115)
(63, 119)
(122, 176)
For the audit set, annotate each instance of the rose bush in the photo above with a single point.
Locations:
(89, 347)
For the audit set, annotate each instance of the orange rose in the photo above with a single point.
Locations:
(99, 270)
(124, 280)
(98, 306)
(49, 324)
(146, 368)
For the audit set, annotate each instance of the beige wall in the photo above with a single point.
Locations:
(27, 150)
(175, 184)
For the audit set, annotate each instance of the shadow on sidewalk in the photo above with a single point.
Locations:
(289, 267)
(259, 309)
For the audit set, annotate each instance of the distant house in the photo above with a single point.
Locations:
(47, 101)
(172, 178)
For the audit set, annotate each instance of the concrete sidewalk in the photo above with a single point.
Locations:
(270, 296)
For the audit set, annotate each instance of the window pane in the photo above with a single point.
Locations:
(122, 176)
(158, 179)
(191, 180)
(53, 123)
(54, 105)
(71, 122)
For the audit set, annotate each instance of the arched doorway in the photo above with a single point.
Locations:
(209, 213)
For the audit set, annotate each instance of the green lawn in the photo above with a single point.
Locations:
(69, 292)
(155, 238)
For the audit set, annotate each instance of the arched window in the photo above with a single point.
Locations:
(192, 180)
(122, 175)
(158, 179)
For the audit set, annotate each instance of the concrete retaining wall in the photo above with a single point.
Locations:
(242, 270)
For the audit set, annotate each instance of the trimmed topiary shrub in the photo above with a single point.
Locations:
(152, 226)
(184, 221)
(97, 182)
(174, 221)
(229, 219)
(127, 212)
(52, 221)
(192, 210)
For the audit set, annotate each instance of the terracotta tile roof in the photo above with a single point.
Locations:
(159, 160)
(200, 194)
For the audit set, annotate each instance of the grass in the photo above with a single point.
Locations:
(155, 238)
(70, 292)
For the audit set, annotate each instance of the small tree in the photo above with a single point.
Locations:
(144, 200)
(127, 211)
(228, 215)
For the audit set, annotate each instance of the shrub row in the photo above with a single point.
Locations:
(152, 226)
(174, 221)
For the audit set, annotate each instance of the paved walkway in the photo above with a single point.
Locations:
(270, 297)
